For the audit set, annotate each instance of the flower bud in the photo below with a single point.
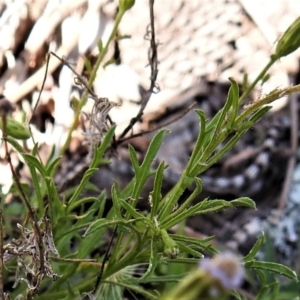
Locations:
(290, 41)
(125, 4)
(170, 247)
(15, 129)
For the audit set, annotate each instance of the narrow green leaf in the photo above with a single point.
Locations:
(133, 286)
(38, 191)
(272, 267)
(92, 242)
(80, 202)
(224, 150)
(56, 205)
(262, 277)
(200, 208)
(244, 126)
(35, 149)
(234, 95)
(237, 295)
(189, 250)
(115, 194)
(98, 224)
(153, 149)
(258, 115)
(82, 185)
(170, 246)
(144, 169)
(192, 197)
(89, 173)
(80, 217)
(224, 112)
(15, 144)
(268, 291)
(243, 201)
(153, 260)
(92, 187)
(133, 212)
(100, 46)
(255, 249)
(203, 208)
(221, 124)
(245, 82)
(265, 78)
(264, 291)
(134, 159)
(88, 65)
(213, 122)
(204, 245)
(202, 119)
(209, 133)
(35, 162)
(274, 286)
(52, 166)
(109, 62)
(102, 200)
(51, 156)
(88, 244)
(73, 293)
(197, 151)
(128, 190)
(97, 160)
(103, 147)
(130, 255)
(155, 195)
(96, 206)
(164, 279)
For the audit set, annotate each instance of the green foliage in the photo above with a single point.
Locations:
(143, 241)
(15, 129)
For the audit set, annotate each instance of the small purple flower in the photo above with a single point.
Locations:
(225, 267)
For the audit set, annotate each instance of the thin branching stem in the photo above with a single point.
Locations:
(24, 198)
(153, 62)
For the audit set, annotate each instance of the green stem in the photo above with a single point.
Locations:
(259, 77)
(91, 80)
(117, 253)
(172, 197)
(37, 188)
(274, 95)
(129, 259)
(188, 201)
(193, 169)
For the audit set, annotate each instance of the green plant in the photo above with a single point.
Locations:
(140, 240)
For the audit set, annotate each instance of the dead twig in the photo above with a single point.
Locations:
(79, 80)
(5, 109)
(165, 124)
(153, 62)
